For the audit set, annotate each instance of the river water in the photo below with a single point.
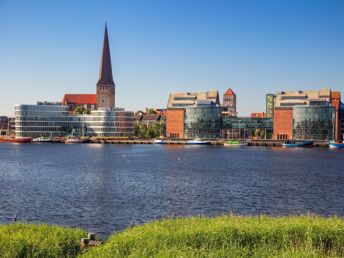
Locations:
(106, 188)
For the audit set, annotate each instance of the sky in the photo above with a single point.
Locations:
(49, 48)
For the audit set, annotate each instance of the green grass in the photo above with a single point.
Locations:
(29, 240)
(225, 236)
(229, 236)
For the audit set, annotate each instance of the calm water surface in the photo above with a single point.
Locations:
(104, 188)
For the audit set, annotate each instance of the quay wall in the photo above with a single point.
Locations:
(268, 143)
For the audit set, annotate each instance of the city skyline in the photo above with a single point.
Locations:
(47, 53)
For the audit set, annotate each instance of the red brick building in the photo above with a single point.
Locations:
(175, 123)
(105, 96)
(258, 115)
(335, 101)
(283, 123)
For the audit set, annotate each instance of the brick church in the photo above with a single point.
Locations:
(105, 92)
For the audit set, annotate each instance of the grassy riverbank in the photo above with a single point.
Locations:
(226, 236)
(29, 240)
(229, 236)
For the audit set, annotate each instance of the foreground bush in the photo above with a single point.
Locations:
(28, 240)
(229, 236)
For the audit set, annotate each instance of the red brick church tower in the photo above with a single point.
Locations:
(105, 84)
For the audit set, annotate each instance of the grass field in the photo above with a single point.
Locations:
(29, 240)
(229, 236)
(225, 236)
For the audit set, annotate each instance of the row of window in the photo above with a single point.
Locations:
(76, 118)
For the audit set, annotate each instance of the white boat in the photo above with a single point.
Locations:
(43, 139)
(197, 142)
(158, 141)
(74, 140)
(336, 145)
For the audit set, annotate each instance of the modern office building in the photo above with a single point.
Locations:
(314, 122)
(305, 115)
(269, 105)
(296, 98)
(193, 115)
(229, 103)
(247, 127)
(202, 120)
(185, 99)
(55, 119)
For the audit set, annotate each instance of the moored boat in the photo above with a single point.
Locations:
(293, 144)
(159, 141)
(44, 140)
(74, 140)
(234, 143)
(197, 142)
(16, 139)
(336, 145)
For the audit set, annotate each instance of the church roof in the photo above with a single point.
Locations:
(79, 99)
(105, 69)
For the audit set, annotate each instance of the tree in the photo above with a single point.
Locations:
(138, 112)
(81, 110)
(150, 133)
(151, 111)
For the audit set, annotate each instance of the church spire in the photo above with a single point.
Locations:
(105, 84)
(105, 69)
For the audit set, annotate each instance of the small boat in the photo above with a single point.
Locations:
(159, 141)
(235, 143)
(16, 139)
(43, 140)
(336, 145)
(197, 142)
(293, 144)
(74, 140)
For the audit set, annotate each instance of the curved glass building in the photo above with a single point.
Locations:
(202, 121)
(314, 122)
(55, 120)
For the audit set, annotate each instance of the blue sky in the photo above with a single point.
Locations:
(48, 48)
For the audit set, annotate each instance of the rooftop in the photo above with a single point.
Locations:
(184, 99)
(79, 99)
(229, 92)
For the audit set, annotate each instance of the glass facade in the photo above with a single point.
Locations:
(313, 122)
(202, 122)
(270, 105)
(55, 120)
(247, 127)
